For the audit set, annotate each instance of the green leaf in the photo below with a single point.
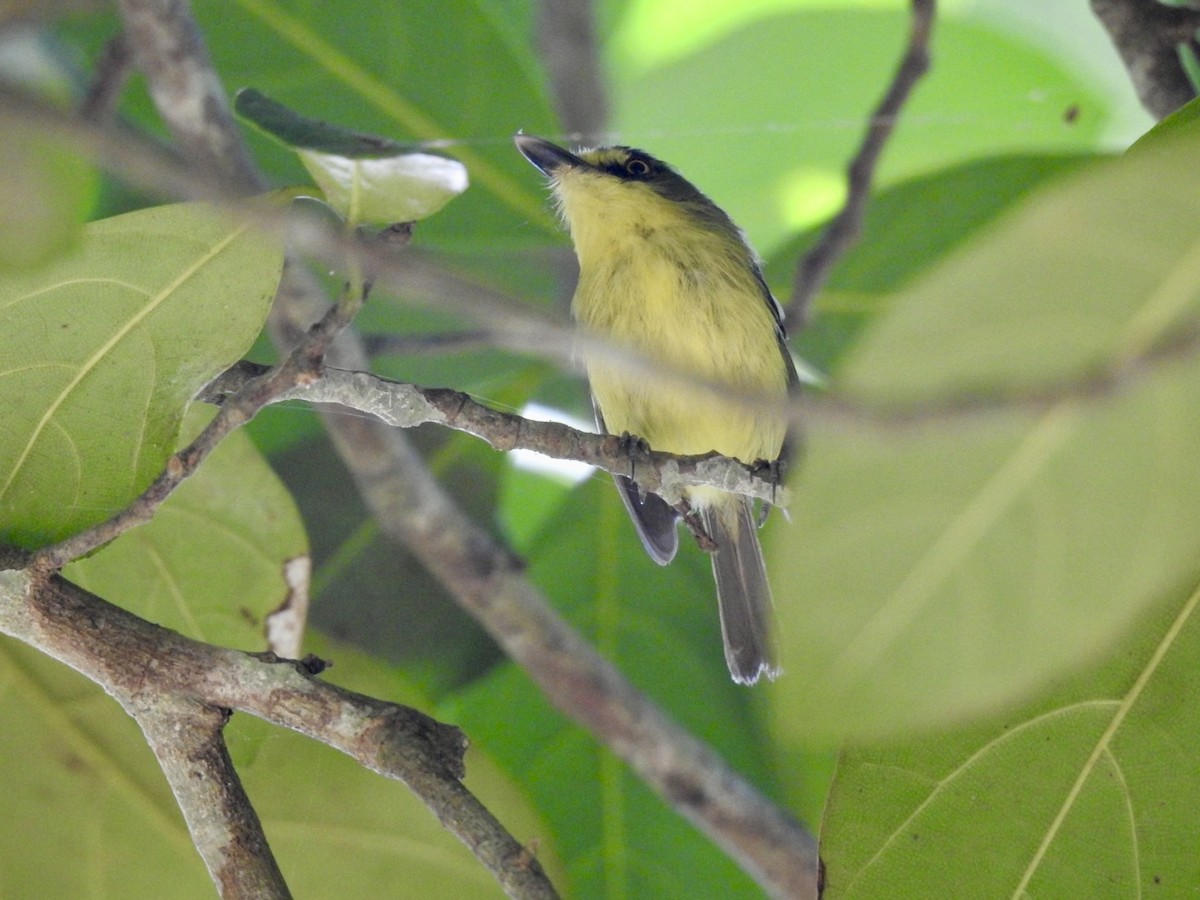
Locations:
(1082, 793)
(1081, 277)
(364, 177)
(659, 626)
(376, 61)
(759, 155)
(299, 132)
(908, 228)
(48, 191)
(48, 188)
(1184, 120)
(946, 568)
(211, 563)
(104, 349)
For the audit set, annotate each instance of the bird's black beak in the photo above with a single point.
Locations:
(548, 157)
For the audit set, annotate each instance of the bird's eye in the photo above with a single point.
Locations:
(637, 167)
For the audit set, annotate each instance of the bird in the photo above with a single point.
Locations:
(665, 272)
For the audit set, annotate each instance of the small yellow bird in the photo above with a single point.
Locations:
(663, 270)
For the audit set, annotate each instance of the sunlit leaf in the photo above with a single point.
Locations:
(732, 131)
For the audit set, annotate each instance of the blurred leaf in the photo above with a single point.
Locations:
(908, 228)
(48, 191)
(660, 627)
(104, 349)
(48, 188)
(1182, 121)
(210, 562)
(732, 132)
(955, 565)
(1088, 792)
(528, 500)
(1080, 277)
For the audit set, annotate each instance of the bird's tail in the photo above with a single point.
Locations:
(744, 596)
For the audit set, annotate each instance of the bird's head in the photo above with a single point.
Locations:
(620, 190)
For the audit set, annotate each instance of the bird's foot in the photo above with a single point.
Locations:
(771, 470)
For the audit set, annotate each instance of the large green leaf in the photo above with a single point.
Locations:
(78, 775)
(1087, 275)
(211, 563)
(1088, 792)
(102, 351)
(944, 568)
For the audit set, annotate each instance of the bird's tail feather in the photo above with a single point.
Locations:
(744, 596)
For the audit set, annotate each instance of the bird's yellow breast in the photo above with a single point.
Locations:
(679, 292)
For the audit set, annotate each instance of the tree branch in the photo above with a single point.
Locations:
(112, 72)
(846, 227)
(406, 405)
(186, 738)
(169, 50)
(177, 689)
(566, 40)
(1148, 36)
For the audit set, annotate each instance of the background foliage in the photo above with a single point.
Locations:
(991, 609)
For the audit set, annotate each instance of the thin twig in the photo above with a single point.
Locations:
(169, 49)
(567, 48)
(414, 344)
(1148, 35)
(841, 234)
(112, 72)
